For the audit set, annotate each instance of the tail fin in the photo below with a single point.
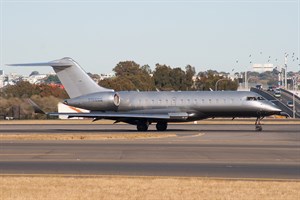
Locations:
(75, 80)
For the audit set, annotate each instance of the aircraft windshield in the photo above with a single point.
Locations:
(259, 98)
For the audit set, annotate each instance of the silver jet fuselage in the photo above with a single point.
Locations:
(198, 104)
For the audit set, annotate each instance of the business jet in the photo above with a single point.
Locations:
(159, 107)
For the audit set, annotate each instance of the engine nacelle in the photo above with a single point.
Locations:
(100, 101)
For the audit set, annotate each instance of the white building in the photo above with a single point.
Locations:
(35, 79)
(105, 76)
(263, 67)
(1, 78)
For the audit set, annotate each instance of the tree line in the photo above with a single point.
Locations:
(13, 99)
(132, 76)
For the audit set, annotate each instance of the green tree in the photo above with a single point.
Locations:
(162, 78)
(190, 72)
(24, 89)
(126, 68)
(207, 80)
(130, 76)
(21, 89)
(177, 79)
(167, 78)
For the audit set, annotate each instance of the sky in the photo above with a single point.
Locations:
(219, 35)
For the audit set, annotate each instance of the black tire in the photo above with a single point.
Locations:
(258, 128)
(142, 126)
(161, 126)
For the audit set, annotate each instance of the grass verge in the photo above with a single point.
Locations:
(82, 136)
(117, 187)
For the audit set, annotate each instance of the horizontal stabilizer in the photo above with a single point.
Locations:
(35, 107)
(74, 79)
(52, 64)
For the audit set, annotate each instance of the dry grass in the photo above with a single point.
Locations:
(82, 136)
(114, 187)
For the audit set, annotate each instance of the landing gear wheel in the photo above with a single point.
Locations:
(161, 126)
(258, 128)
(142, 126)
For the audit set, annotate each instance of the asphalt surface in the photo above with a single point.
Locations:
(225, 151)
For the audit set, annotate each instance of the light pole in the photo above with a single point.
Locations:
(294, 109)
(248, 80)
(216, 86)
(285, 71)
(246, 73)
(246, 84)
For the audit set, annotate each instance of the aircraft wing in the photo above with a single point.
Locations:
(146, 114)
(116, 115)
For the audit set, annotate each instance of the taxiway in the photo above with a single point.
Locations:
(230, 151)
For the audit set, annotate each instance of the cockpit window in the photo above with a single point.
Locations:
(255, 98)
(260, 98)
(251, 99)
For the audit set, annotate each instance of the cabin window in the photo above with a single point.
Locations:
(182, 101)
(152, 101)
(173, 101)
(224, 100)
(195, 101)
(160, 101)
(232, 100)
(217, 100)
(203, 101)
(209, 100)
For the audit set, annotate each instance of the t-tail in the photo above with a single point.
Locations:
(74, 79)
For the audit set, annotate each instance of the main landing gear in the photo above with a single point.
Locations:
(161, 126)
(258, 126)
(143, 125)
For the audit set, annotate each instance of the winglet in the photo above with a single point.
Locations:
(36, 108)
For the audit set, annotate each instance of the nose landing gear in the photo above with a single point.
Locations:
(258, 126)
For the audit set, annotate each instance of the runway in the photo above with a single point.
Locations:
(226, 151)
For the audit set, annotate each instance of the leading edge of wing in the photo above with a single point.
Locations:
(178, 115)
